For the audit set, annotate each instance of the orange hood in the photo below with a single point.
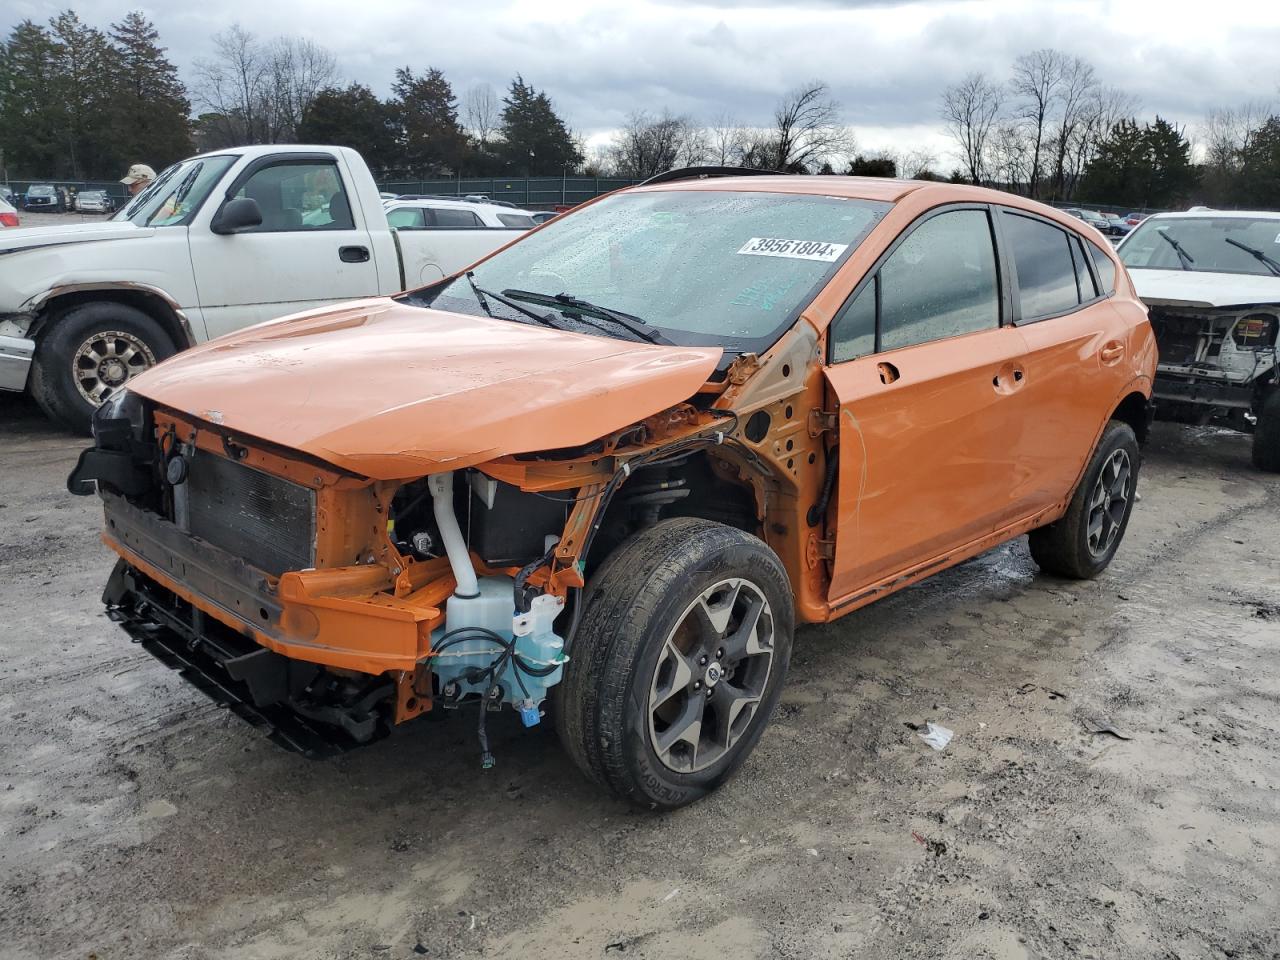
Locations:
(391, 391)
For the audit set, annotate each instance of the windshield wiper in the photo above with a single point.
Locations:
(565, 302)
(483, 296)
(1257, 254)
(1184, 258)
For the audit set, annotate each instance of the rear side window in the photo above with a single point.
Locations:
(1042, 259)
(1084, 279)
(406, 218)
(1106, 269)
(516, 219)
(455, 218)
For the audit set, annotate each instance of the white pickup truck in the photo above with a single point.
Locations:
(217, 242)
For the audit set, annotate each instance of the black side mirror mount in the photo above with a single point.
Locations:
(236, 216)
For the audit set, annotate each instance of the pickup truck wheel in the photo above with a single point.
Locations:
(1082, 543)
(1266, 434)
(678, 662)
(90, 352)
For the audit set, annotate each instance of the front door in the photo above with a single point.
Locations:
(308, 251)
(927, 382)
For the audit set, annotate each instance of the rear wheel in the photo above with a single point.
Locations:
(90, 352)
(678, 662)
(1266, 434)
(1082, 543)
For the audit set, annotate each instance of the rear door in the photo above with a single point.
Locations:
(308, 251)
(927, 380)
(1075, 361)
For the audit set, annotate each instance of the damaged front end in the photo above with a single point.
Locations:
(1214, 358)
(327, 606)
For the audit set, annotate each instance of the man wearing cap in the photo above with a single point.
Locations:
(138, 178)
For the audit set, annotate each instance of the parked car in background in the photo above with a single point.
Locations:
(215, 243)
(43, 197)
(95, 201)
(422, 213)
(9, 195)
(542, 216)
(620, 459)
(8, 214)
(1117, 226)
(1135, 218)
(1211, 279)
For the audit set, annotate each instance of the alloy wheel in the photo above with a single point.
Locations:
(711, 675)
(108, 360)
(1109, 502)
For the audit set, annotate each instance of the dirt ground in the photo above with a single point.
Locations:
(137, 820)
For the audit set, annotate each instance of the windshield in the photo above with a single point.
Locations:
(1205, 241)
(39, 191)
(703, 267)
(175, 195)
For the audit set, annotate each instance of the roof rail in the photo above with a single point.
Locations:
(703, 173)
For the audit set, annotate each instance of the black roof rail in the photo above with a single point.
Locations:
(703, 173)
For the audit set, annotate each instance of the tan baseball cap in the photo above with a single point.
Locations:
(139, 172)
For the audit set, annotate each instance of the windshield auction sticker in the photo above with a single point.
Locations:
(794, 249)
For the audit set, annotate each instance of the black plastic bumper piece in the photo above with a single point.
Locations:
(300, 706)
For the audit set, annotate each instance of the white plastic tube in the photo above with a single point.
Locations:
(441, 487)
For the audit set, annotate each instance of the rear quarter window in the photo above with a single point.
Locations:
(516, 220)
(1106, 269)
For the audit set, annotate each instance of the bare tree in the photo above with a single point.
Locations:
(481, 113)
(299, 69)
(1227, 135)
(1104, 108)
(807, 129)
(1075, 101)
(648, 145)
(233, 87)
(970, 109)
(1009, 156)
(914, 163)
(726, 141)
(1037, 80)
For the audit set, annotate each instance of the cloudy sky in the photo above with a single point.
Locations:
(885, 61)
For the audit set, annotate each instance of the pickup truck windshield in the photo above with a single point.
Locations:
(705, 267)
(176, 194)
(1211, 244)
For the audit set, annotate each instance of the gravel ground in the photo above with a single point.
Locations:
(140, 821)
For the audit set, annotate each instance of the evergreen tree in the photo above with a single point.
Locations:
(535, 140)
(426, 113)
(80, 94)
(30, 125)
(1258, 185)
(1146, 166)
(355, 118)
(149, 106)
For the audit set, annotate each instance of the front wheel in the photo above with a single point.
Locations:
(678, 662)
(1266, 434)
(1082, 543)
(90, 352)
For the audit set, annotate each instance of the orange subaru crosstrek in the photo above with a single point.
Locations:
(603, 473)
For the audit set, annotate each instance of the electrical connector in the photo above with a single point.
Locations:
(529, 714)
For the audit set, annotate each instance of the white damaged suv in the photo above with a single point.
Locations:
(1211, 279)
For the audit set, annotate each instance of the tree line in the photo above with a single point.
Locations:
(77, 102)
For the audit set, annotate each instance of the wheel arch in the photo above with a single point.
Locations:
(1135, 410)
(150, 300)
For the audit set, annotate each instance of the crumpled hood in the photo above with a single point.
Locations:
(391, 391)
(1194, 288)
(30, 238)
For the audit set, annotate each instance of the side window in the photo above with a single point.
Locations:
(516, 220)
(940, 282)
(448, 217)
(406, 218)
(299, 197)
(854, 331)
(1106, 269)
(1042, 259)
(1084, 279)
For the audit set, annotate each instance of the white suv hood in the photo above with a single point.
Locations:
(1194, 288)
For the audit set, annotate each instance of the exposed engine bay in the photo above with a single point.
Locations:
(1214, 357)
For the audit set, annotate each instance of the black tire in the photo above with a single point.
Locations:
(1266, 434)
(645, 591)
(1070, 547)
(54, 384)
